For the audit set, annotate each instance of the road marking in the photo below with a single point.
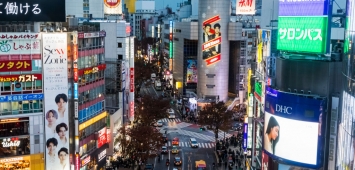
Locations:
(169, 143)
(207, 155)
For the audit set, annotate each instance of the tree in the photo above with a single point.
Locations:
(216, 115)
(151, 109)
(122, 139)
(142, 70)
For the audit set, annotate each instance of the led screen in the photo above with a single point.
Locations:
(32, 10)
(302, 34)
(293, 131)
(303, 8)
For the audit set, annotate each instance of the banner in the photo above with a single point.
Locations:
(191, 71)
(55, 80)
(212, 38)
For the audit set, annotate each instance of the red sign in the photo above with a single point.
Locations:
(131, 80)
(211, 43)
(20, 78)
(112, 3)
(108, 135)
(128, 29)
(92, 69)
(131, 106)
(75, 62)
(77, 162)
(211, 20)
(102, 138)
(20, 65)
(80, 35)
(213, 59)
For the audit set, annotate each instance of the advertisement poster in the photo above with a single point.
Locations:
(112, 7)
(212, 38)
(191, 71)
(55, 80)
(245, 7)
(289, 117)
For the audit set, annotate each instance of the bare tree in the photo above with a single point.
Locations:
(151, 109)
(142, 70)
(217, 116)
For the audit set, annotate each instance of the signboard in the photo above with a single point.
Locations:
(76, 109)
(18, 65)
(77, 161)
(20, 78)
(31, 46)
(91, 70)
(33, 10)
(191, 71)
(245, 136)
(85, 160)
(25, 161)
(112, 7)
(76, 91)
(211, 47)
(258, 88)
(21, 97)
(245, 7)
(82, 35)
(55, 80)
(171, 48)
(10, 142)
(303, 8)
(102, 138)
(75, 60)
(101, 155)
(302, 34)
(287, 115)
(131, 80)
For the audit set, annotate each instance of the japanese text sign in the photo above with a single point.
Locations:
(20, 78)
(21, 97)
(302, 34)
(20, 65)
(33, 10)
(303, 8)
(102, 138)
(131, 77)
(20, 47)
(20, 36)
(245, 7)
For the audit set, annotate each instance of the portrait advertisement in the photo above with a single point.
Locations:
(212, 38)
(56, 116)
(191, 71)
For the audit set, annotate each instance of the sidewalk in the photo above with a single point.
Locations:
(222, 166)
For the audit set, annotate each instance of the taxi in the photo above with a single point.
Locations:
(175, 150)
(175, 141)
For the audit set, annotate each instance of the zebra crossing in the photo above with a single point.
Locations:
(171, 120)
(187, 144)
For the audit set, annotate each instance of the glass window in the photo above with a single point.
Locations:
(38, 84)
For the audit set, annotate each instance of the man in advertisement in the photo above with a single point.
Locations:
(211, 39)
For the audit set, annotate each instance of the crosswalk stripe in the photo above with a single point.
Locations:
(178, 120)
(199, 145)
(169, 143)
(181, 144)
(209, 145)
(166, 144)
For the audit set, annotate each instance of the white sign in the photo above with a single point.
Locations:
(11, 159)
(9, 143)
(55, 80)
(76, 109)
(102, 155)
(20, 47)
(92, 35)
(245, 7)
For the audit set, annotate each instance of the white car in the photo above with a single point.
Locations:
(159, 123)
(193, 143)
(171, 114)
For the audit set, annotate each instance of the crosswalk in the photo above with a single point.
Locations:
(171, 120)
(187, 144)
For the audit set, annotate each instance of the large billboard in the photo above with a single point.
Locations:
(55, 81)
(346, 139)
(302, 34)
(303, 8)
(245, 7)
(212, 39)
(33, 10)
(191, 71)
(289, 117)
(112, 7)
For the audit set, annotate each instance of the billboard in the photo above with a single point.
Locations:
(55, 81)
(245, 7)
(303, 8)
(33, 10)
(212, 38)
(289, 117)
(346, 140)
(302, 34)
(102, 137)
(112, 7)
(191, 71)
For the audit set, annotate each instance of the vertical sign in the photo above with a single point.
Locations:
(212, 39)
(55, 80)
(131, 80)
(77, 162)
(171, 39)
(76, 92)
(333, 132)
(75, 56)
(131, 92)
(245, 136)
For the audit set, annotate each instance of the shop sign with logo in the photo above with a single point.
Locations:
(102, 155)
(17, 65)
(258, 88)
(10, 142)
(20, 78)
(85, 161)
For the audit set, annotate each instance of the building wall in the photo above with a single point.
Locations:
(76, 7)
(145, 5)
(219, 82)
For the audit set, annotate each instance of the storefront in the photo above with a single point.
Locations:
(29, 162)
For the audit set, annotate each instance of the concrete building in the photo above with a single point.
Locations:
(144, 9)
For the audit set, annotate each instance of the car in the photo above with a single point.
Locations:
(177, 161)
(193, 143)
(164, 149)
(149, 167)
(159, 123)
(171, 113)
(165, 139)
(237, 126)
(175, 141)
(175, 150)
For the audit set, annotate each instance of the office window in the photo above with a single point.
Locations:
(119, 57)
(119, 45)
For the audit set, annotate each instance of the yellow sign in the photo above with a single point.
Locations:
(260, 52)
(92, 120)
(249, 81)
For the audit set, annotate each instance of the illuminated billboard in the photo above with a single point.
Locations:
(303, 8)
(211, 36)
(289, 116)
(33, 10)
(302, 34)
(245, 7)
(112, 7)
(191, 71)
(56, 115)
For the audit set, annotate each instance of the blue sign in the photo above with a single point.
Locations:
(21, 97)
(76, 92)
(294, 128)
(245, 137)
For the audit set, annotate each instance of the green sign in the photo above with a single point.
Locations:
(258, 88)
(302, 34)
